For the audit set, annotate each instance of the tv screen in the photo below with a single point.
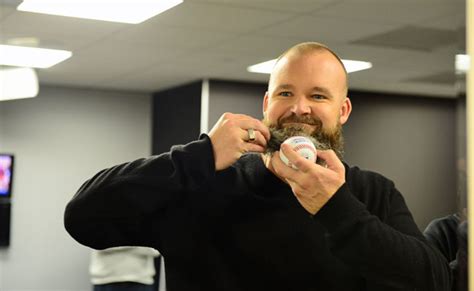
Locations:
(6, 175)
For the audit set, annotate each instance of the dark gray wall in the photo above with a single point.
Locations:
(176, 116)
(235, 97)
(411, 140)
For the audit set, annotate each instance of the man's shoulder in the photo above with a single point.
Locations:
(371, 188)
(356, 175)
(249, 162)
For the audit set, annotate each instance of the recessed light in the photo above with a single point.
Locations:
(350, 65)
(18, 83)
(22, 56)
(462, 63)
(126, 11)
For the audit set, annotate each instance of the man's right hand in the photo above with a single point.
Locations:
(230, 138)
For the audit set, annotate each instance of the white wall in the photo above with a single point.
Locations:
(60, 139)
(1, 125)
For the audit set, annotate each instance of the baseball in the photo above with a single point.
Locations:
(303, 146)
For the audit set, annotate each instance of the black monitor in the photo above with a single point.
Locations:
(6, 175)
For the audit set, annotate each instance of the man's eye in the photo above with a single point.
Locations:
(285, 94)
(318, 97)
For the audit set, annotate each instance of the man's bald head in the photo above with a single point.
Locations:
(309, 48)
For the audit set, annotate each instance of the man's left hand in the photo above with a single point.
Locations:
(312, 184)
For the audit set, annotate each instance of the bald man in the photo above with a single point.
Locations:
(227, 214)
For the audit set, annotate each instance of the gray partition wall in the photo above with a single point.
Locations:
(410, 139)
(60, 139)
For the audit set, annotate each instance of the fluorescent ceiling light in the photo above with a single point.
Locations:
(262, 68)
(462, 64)
(18, 83)
(126, 11)
(354, 66)
(21, 56)
(351, 66)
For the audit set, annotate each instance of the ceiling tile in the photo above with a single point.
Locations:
(171, 37)
(253, 45)
(5, 10)
(427, 63)
(387, 11)
(108, 59)
(377, 84)
(325, 29)
(443, 78)
(410, 37)
(300, 6)
(451, 21)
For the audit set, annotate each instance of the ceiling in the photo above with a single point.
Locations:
(411, 43)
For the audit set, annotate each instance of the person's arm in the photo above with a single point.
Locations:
(123, 205)
(127, 204)
(393, 254)
(442, 233)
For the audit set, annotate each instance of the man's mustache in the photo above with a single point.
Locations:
(306, 119)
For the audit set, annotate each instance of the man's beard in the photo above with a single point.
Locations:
(323, 140)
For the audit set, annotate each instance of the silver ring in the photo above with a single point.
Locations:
(251, 134)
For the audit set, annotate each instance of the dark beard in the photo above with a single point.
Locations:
(322, 140)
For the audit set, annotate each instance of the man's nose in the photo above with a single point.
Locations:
(301, 106)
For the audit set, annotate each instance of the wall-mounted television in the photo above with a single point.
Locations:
(6, 174)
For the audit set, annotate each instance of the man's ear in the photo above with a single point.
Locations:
(265, 103)
(346, 109)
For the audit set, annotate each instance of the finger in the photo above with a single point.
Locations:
(332, 160)
(281, 168)
(259, 138)
(297, 160)
(255, 148)
(247, 122)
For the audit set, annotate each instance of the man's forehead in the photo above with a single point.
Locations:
(287, 86)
